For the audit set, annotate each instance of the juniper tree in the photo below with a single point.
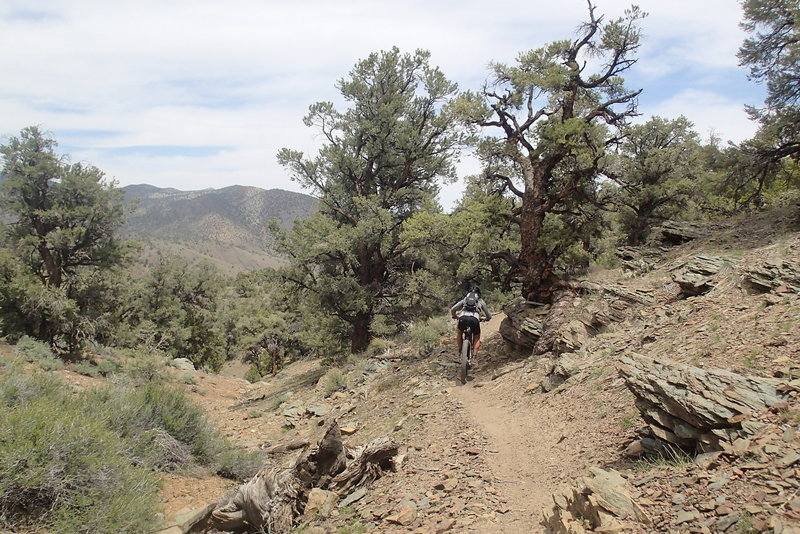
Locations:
(554, 115)
(382, 161)
(61, 240)
(656, 170)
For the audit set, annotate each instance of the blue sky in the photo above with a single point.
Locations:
(201, 93)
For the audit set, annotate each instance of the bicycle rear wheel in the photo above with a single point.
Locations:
(466, 347)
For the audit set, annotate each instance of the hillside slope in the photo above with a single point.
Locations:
(495, 454)
(228, 227)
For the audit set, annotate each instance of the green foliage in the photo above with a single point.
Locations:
(85, 368)
(426, 336)
(772, 52)
(188, 378)
(167, 408)
(655, 171)
(39, 353)
(745, 524)
(174, 310)
(239, 464)
(378, 346)
(65, 471)
(553, 115)
(17, 388)
(278, 401)
(335, 380)
(383, 158)
(144, 369)
(62, 249)
(252, 375)
(33, 350)
(476, 243)
(667, 458)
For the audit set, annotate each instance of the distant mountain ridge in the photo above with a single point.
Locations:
(227, 226)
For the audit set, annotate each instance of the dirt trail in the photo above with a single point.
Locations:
(520, 447)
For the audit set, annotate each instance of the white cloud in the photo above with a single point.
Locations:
(710, 112)
(240, 74)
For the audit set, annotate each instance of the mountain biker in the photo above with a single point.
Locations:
(470, 308)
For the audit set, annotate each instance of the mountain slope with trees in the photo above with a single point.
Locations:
(224, 226)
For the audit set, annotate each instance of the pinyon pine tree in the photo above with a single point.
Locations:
(382, 161)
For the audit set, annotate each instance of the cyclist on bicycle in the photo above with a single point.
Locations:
(470, 308)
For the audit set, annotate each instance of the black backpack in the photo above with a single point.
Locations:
(471, 302)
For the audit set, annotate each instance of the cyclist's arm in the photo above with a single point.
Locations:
(456, 307)
(485, 310)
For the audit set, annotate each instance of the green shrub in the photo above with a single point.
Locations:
(188, 378)
(66, 472)
(239, 464)
(108, 367)
(278, 401)
(146, 369)
(33, 350)
(253, 375)
(86, 369)
(427, 336)
(132, 412)
(378, 346)
(39, 353)
(19, 388)
(335, 380)
(50, 364)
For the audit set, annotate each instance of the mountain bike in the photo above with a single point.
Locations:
(465, 362)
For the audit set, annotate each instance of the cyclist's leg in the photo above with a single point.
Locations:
(459, 340)
(476, 343)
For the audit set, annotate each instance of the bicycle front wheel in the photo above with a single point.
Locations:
(466, 347)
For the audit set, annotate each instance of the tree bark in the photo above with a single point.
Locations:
(537, 276)
(276, 497)
(361, 336)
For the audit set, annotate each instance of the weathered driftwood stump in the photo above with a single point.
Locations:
(696, 409)
(272, 500)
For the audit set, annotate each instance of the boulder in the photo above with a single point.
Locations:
(696, 276)
(182, 364)
(696, 409)
(601, 502)
(522, 325)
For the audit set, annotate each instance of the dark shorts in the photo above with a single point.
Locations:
(473, 322)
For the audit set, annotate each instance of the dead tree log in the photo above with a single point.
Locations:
(272, 500)
(695, 409)
(368, 462)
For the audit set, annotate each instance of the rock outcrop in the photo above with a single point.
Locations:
(601, 502)
(774, 276)
(677, 232)
(696, 409)
(637, 260)
(522, 326)
(696, 276)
